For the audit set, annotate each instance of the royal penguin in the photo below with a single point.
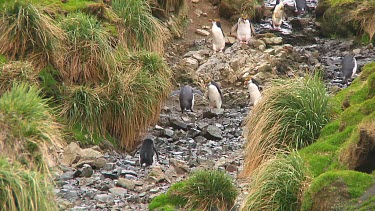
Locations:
(218, 39)
(186, 97)
(147, 152)
(214, 95)
(300, 6)
(278, 15)
(244, 29)
(349, 67)
(253, 92)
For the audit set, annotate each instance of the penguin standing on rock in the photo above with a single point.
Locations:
(254, 92)
(300, 6)
(147, 152)
(349, 67)
(278, 15)
(218, 40)
(244, 30)
(214, 95)
(186, 97)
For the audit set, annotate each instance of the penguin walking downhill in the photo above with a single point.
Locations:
(349, 67)
(244, 30)
(147, 152)
(218, 38)
(214, 95)
(278, 15)
(254, 92)
(186, 97)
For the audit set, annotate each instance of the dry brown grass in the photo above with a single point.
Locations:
(365, 16)
(27, 33)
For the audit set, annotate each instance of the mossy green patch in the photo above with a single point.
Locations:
(330, 128)
(170, 199)
(356, 183)
(3, 59)
(371, 86)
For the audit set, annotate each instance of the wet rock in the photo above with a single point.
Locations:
(87, 171)
(212, 132)
(109, 166)
(67, 176)
(110, 175)
(126, 183)
(118, 191)
(211, 113)
(168, 133)
(177, 124)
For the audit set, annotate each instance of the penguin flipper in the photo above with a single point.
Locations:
(234, 28)
(195, 91)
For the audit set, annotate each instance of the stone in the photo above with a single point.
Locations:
(177, 124)
(255, 43)
(103, 197)
(128, 172)
(212, 132)
(154, 190)
(168, 133)
(109, 166)
(180, 166)
(87, 171)
(118, 191)
(190, 62)
(202, 32)
(211, 113)
(356, 51)
(157, 175)
(71, 154)
(126, 183)
(67, 176)
(195, 1)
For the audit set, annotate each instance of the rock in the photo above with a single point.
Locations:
(180, 166)
(103, 197)
(129, 172)
(202, 32)
(211, 113)
(212, 132)
(109, 166)
(67, 176)
(157, 175)
(71, 154)
(356, 51)
(87, 171)
(255, 43)
(168, 133)
(154, 190)
(277, 40)
(190, 62)
(231, 168)
(262, 47)
(109, 175)
(270, 51)
(96, 163)
(177, 124)
(195, 1)
(118, 191)
(230, 40)
(126, 183)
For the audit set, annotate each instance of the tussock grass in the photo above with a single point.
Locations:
(88, 57)
(27, 33)
(277, 184)
(364, 15)
(128, 104)
(289, 115)
(139, 30)
(209, 189)
(16, 71)
(29, 132)
(23, 189)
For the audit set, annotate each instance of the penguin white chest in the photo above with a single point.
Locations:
(218, 40)
(244, 31)
(254, 93)
(355, 67)
(214, 97)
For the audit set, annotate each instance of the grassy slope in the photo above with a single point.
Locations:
(327, 157)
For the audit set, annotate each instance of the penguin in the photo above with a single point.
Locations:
(186, 97)
(254, 92)
(218, 40)
(349, 67)
(147, 152)
(300, 6)
(276, 3)
(214, 95)
(244, 29)
(278, 15)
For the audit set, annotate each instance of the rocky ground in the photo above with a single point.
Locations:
(99, 179)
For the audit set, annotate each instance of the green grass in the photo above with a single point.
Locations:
(357, 183)
(27, 121)
(290, 114)
(277, 184)
(27, 33)
(70, 6)
(208, 189)
(140, 30)
(171, 198)
(88, 57)
(23, 189)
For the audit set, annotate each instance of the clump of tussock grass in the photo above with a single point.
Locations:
(139, 30)
(364, 15)
(208, 189)
(88, 57)
(29, 132)
(27, 33)
(16, 71)
(163, 8)
(289, 115)
(23, 189)
(128, 104)
(277, 184)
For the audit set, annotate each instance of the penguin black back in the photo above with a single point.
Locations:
(147, 152)
(217, 87)
(348, 67)
(301, 5)
(186, 98)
